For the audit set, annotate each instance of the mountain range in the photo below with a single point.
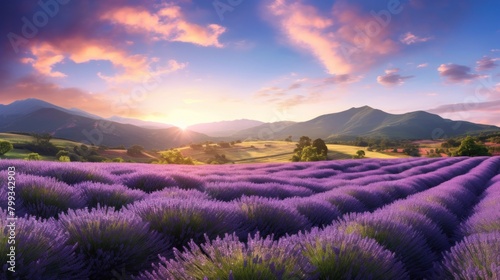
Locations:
(37, 116)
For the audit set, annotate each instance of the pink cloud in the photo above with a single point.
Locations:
(392, 78)
(45, 59)
(129, 67)
(410, 39)
(343, 40)
(169, 24)
(423, 65)
(457, 73)
(486, 63)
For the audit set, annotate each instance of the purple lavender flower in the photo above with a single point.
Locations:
(337, 255)
(42, 251)
(228, 258)
(115, 196)
(112, 241)
(475, 257)
(181, 220)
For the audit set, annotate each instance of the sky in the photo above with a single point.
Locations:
(192, 61)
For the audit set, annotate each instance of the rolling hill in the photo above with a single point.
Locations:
(224, 128)
(62, 124)
(32, 115)
(369, 122)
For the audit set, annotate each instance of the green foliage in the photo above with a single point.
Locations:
(33, 156)
(470, 148)
(450, 143)
(41, 144)
(218, 159)
(62, 153)
(5, 147)
(135, 151)
(359, 154)
(308, 151)
(320, 146)
(411, 150)
(303, 142)
(174, 157)
(118, 159)
(64, 159)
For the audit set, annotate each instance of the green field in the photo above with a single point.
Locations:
(277, 151)
(18, 138)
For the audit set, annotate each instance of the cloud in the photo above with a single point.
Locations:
(392, 78)
(66, 97)
(168, 23)
(130, 68)
(342, 79)
(423, 65)
(486, 63)
(337, 44)
(45, 57)
(410, 39)
(457, 73)
(489, 106)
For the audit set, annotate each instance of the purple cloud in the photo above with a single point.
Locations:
(486, 63)
(392, 78)
(457, 73)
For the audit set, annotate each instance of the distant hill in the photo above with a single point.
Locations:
(141, 123)
(369, 122)
(64, 124)
(33, 115)
(224, 128)
(264, 131)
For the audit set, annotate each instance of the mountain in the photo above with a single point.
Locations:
(141, 123)
(263, 131)
(369, 122)
(61, 124)
(224, 128)
(30, 105)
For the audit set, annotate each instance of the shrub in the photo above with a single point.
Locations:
(115, 196)
(475, 257)
(33, 156)
(228, 258)
(42, 251)
(271, 217)
(318, 212)
(148, 182)
(110, 241)
(181, 220)
(73, 173)
(64, 159)
(5, 147)
(408, 245)
(46, 197)
(336, 255)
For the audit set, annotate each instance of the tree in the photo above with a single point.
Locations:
(320, 146)
(135, 151)
(5, 147)
(411, 150)
(33, 156)
(470, 148)
(174, 157)
(360, 154)
(310, 153)
(306, 151)
(303, 142)
(64, 159)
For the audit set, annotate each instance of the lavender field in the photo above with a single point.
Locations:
(356, 219)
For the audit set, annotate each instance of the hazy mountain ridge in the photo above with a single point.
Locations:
(224, 128)
(38, 116)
